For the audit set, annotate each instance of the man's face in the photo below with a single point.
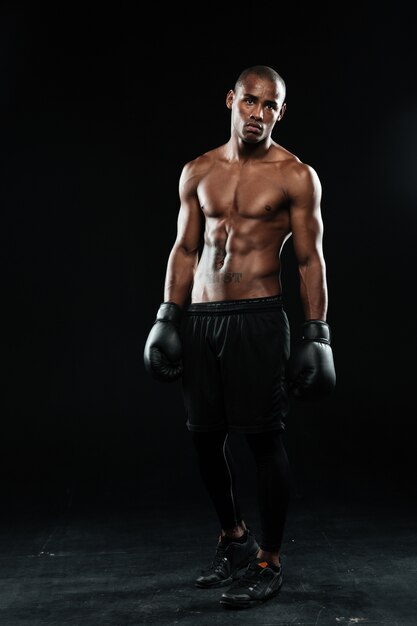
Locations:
(256, 105)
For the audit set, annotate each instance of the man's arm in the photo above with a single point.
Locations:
(183, 258)
(310, 371)
(307, 235)
(163, 351)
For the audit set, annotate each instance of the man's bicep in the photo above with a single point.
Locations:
(307, 233)
(306, 218)
(189, 224)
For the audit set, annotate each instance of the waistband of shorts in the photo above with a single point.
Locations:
(245, 305)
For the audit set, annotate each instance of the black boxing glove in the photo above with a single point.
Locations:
(310, 369)
(162, 353)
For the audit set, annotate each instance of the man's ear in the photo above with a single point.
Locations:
(229, 98)
(282, 111)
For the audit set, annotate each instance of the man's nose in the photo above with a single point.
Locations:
(257, 112)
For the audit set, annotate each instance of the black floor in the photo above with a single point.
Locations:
(132, 561)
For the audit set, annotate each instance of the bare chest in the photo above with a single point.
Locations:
(254, 193)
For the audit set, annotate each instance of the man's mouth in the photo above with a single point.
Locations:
(253, 127)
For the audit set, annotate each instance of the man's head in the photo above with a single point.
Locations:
(257, 102)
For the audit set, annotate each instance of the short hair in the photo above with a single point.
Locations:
(263, 71)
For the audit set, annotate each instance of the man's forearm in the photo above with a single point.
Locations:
(313, 290)
(180, 275)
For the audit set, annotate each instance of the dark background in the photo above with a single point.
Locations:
(100, 111)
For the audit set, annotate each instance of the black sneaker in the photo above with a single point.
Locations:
(230, 557)
(259, 583)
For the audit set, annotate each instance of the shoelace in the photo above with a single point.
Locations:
(218, 557)
(251, 576)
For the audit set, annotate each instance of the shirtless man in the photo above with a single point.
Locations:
(222, 327)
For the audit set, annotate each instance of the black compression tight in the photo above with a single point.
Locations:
(219, 473)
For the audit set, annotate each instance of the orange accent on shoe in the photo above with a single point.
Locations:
(263, 564)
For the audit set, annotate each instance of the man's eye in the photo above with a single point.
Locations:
(249, 101)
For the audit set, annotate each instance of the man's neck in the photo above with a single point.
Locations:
(237, 150)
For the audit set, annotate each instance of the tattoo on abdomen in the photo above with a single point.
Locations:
(225, 277)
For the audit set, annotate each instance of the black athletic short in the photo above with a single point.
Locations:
(234, 354)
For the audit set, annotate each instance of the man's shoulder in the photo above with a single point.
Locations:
(286, 158)
(203, 160)
(195, 169)
(198, 167)
(293, 166)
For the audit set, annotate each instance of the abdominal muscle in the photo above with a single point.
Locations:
(235, 276)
